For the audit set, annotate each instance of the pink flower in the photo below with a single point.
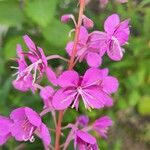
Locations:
(27, 75)
(101, 125)
(5, 128)
(85, 141)
(46, 94)
(87, 49)
(26, 123)
(39, 60)
(116, 35)
(87, 87)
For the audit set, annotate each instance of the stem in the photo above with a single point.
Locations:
(70, 67)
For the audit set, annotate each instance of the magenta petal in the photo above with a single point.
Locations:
(115, 51)
(83, 35)
(111, 23)
(18, 132)
(110, 84)
(18, 114)
(44, 134)
(92, 76)
(42, 56)
(5, 125)
(46, 92)
(86, 137)
(29, 43)
(122, 32)
(93, 59)
(69, 47)
(51, 76)
(94, 97)
(63, 99)
(33, 117)
(3, 139)
(68, 78)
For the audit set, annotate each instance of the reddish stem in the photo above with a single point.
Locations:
(70, 67)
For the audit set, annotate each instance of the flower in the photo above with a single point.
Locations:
(85, 141)
(27, 74)
(101, 125)
(86, 49)
(46, 94)
(5, 127)
(88, 87)
(116, 35)
(26, 122)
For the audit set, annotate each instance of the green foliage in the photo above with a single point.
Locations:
(40, 11)
(10, 13)
(144, 105)
(40, 19)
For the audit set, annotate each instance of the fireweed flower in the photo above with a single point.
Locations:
(5, 128)
(101, 125)
(27, 75)
(116, 35)
(87, 87)
(27, 122)
(87, 49)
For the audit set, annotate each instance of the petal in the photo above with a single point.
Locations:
(103, 122)
(92, 77)
(83, 35)
(51, 76)
(46, 92)
(94, 97)
(111, 23)
(93, 59)
(43, 57)
(110, 84)
(33, 117)
(69, 47)
(122, 32)
(86, 137)
(68, 78)
(18, 132)
(18, 114)
(3, 139)
(115, 51)
(5, 125)
(44, 134)
(63, 99)
(29, 43)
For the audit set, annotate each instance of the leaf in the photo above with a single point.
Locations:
(56, 34)
(144, 106)
(10, 47)
(134, 98)
(10, 13)
(40, 11)
(146, 24)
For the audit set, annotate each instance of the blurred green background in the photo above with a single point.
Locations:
(40, 19)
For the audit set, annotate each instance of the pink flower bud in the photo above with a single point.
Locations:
(88, 23)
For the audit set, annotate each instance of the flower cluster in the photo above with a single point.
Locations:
(94, 88)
